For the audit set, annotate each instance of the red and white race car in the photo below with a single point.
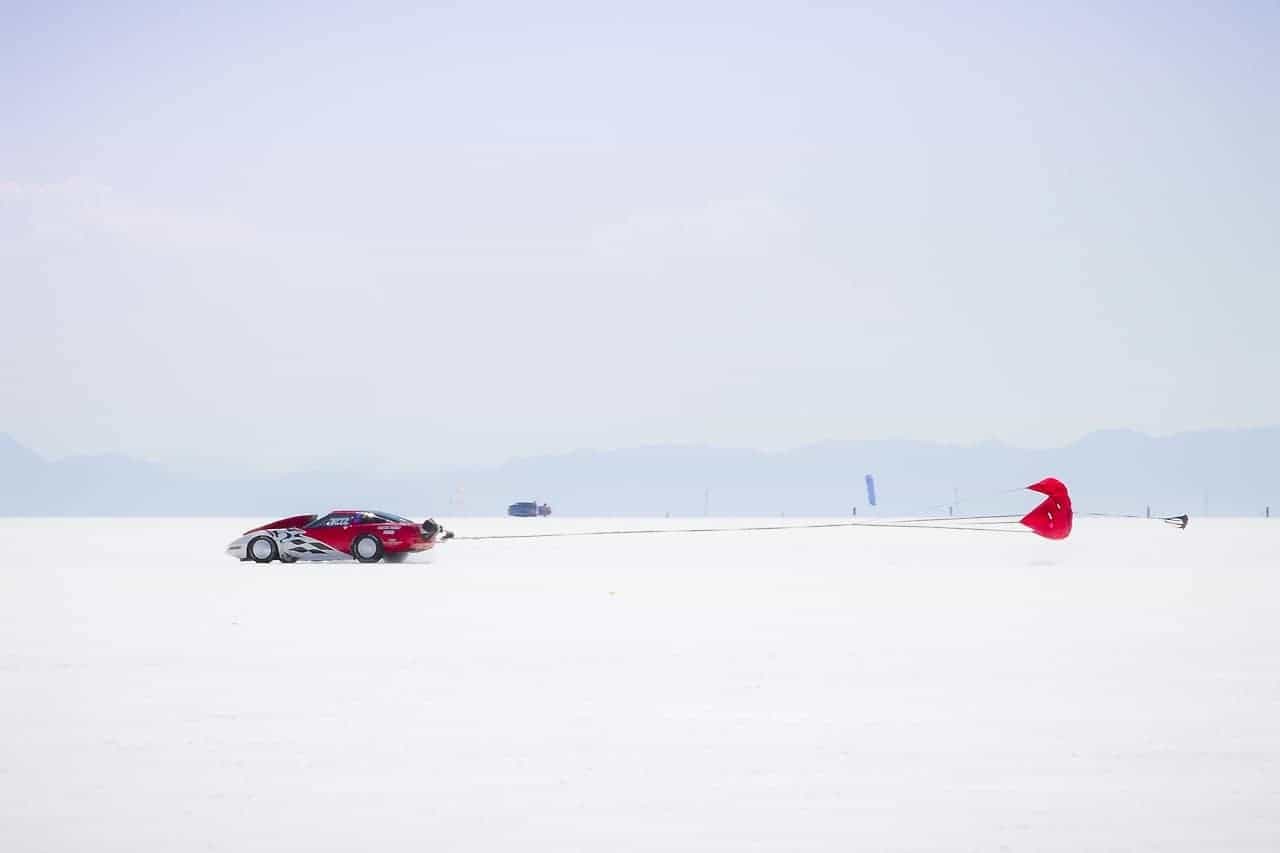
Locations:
(340, 535)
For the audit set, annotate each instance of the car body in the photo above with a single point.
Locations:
(363, 535)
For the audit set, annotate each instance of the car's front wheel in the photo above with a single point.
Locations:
(367, 549)
(262, 549)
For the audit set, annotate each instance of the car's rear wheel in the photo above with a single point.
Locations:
(367, 549)
(263, 549)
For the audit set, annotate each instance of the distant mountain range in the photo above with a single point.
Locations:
(1211, 472)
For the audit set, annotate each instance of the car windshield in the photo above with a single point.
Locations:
(343, 519)
(389, 516)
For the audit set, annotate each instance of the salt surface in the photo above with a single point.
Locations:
(815, 690)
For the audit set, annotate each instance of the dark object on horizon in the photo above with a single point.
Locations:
(871, 490)
(528, 509)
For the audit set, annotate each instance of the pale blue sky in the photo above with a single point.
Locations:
(397, 236)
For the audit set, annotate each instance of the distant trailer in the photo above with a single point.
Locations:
(528, 509)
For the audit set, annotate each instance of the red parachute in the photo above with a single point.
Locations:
(1052, 518)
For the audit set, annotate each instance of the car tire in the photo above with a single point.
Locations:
(367, 548)
(262, 549)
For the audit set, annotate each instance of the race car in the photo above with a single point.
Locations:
(339, 535)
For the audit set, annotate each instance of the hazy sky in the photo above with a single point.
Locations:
(396, 236)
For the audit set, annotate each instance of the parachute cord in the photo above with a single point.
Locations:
(994, 519)
(768, 527)
(1179, 521)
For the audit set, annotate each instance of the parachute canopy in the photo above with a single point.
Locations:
(1052, 518)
